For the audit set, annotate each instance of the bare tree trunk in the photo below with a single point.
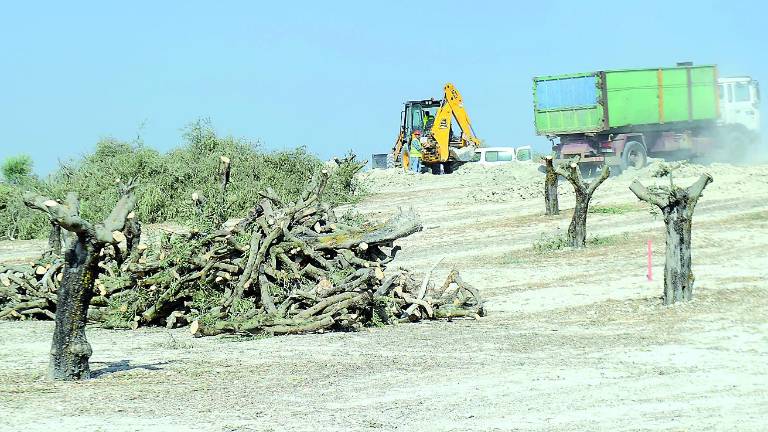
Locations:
(550, 188)
(577, 230)
(70, 349)
(54, 239)
(677, 205)
(132, 233)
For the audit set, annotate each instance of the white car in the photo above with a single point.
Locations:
(501, 155)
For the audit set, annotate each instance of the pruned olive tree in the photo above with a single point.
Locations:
(84, 241)
(577, 230)
(551, 205)
(677, 205)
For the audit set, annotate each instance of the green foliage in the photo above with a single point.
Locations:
(167, 181)
(205, 300)
(614, 209)
(16, 169)
(353, 218)
(16, 220)
(337, 276)
(124, 307)
(554, 242)
(610, 240)
(550, 243)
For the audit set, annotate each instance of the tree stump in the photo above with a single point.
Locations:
(550, 188)
(70, 349)
(577, 230)
(677, 206)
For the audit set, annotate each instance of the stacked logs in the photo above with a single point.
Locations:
(285, 268)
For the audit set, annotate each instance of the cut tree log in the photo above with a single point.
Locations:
(402, 225)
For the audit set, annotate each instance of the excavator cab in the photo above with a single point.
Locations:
(416, 113)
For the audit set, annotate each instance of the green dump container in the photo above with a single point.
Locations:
(624, 100)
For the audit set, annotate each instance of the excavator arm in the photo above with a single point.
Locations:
(397, 151)
(452, 108)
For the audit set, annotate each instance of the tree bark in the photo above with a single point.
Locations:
(577, 230)
(402, 225)
(550, 188)
(677, 206)
(132, 233)
(54, 239)
(70, 349)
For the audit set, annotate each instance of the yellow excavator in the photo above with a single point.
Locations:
(440, 129)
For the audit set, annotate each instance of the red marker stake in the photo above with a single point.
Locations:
(650, 269)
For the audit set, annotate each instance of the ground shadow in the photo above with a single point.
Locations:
(125, 365)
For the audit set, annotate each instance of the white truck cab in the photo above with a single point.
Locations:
(740, 102)
(500, 155)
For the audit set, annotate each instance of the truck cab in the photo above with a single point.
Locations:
(739, 102)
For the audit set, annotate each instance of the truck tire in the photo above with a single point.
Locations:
(435, 168)
(634, 155)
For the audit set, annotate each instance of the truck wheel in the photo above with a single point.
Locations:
(435, 168)
(633, 155)
(448, 167)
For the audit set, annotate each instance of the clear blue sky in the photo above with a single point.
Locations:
(327, 75)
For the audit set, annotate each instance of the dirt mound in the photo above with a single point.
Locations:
(686, 171)
(515, 168)
(471, 176)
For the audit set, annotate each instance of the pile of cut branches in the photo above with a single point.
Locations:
(285, 268)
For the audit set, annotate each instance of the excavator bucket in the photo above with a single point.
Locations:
(463, 154)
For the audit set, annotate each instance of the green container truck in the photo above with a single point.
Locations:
(621, 117)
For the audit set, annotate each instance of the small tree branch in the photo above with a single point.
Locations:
(572, 173)
(116, 219)
(65, 214)
(640, 191)
(695, 190)
(604, 175)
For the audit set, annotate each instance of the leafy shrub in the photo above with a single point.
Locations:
(16, 169)
(167, 181)
(609, 240)
(555, 242)
(16, 220)
(550, 243)
(614, 209)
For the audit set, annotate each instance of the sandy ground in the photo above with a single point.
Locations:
(574, 340)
